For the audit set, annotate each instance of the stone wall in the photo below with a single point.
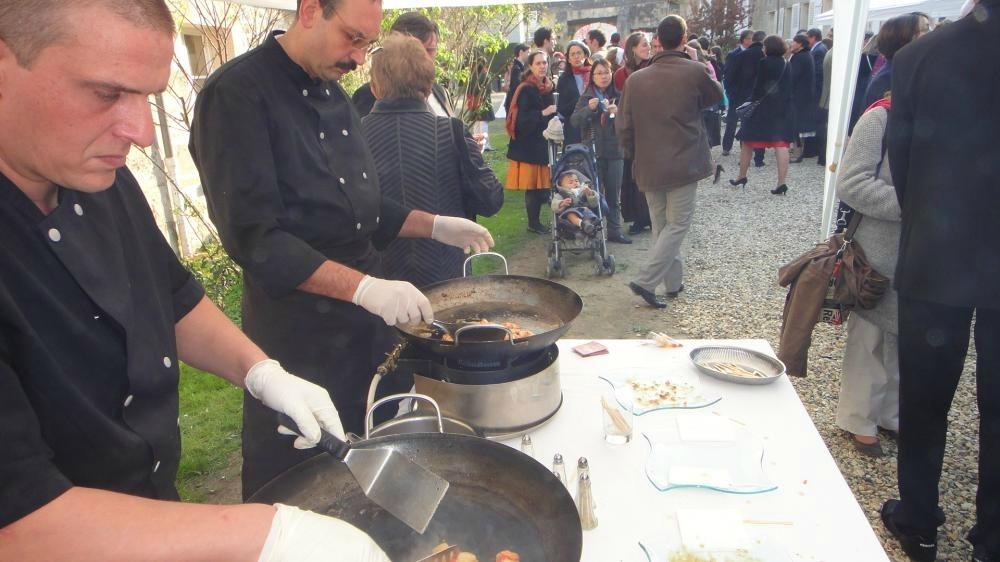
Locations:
(626, 15)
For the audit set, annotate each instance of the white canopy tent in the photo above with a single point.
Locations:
(881, 10)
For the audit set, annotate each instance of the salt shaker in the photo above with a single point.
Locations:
(526, 446)
(585, 503)
(582, 467)
(559, 468)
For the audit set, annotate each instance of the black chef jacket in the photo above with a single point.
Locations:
(89, 296)
(290, 182)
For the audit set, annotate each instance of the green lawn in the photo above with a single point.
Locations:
(211, 409)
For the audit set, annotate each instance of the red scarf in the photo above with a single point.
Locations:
(884, 102)
(544, 86)
(584, 71)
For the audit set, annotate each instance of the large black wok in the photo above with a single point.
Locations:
(499, 499)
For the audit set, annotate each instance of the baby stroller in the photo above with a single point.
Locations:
(580, 159)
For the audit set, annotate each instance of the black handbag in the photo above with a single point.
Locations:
(746, 109)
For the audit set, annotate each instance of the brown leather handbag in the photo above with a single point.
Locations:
(824, 284)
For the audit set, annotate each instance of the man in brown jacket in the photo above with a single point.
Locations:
(661, 129)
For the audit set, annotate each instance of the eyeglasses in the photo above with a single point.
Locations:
(359, 41)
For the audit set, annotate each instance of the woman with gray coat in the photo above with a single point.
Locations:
(869, 386)
(594, 116)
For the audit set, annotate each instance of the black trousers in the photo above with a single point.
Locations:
(821, 137)
(933, 343)
(732, 124)
(533, 201)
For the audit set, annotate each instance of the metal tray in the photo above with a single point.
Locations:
(704, 357)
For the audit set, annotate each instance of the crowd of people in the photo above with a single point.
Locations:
(337, 208)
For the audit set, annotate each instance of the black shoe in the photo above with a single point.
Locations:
(589, 227)
(873, 450)
(718, 173)
(647, 295)
(818, 163)
(917, 547)
(796, 160)
(674, 294)
(780, 190)
(725, 153)
(759, 164)
(740, 182)
(637, 228)
(979, 554)
(539, 229)
(619, 238)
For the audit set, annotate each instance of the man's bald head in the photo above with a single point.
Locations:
(27, 27)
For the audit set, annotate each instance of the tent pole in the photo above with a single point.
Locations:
(849, 21)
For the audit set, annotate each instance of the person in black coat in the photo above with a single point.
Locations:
(572, 82)
(423, 160)
(516, 70)
(803, 90)
(942, 130)
(531, 109)
(729, 73)
(743, 75)
(893, 35)
(771, 124)
(865, 67)
(817, 146)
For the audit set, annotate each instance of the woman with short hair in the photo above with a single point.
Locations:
(423, 161)
(531, 108)
(770, 125)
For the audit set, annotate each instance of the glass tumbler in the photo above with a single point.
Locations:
(617, 417)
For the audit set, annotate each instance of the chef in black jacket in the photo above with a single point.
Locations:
(96, 313)
(293, 191)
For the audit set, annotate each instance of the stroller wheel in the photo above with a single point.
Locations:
(554, 269)
(609, 265)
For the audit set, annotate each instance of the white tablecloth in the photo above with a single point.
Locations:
(826, 523)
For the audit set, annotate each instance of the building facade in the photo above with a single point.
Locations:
(624, 16)
(785, 17)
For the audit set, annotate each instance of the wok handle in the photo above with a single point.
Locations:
(466, 269)
(327, 441)
(474, 327)
(369, 422)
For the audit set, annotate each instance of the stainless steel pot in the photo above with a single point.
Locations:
(420, 421)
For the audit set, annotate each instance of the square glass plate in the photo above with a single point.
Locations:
(649, 390)
(727, 458)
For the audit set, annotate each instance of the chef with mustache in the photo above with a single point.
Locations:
(292, 188)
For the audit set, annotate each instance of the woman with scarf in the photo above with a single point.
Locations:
(594, 115)
(571, 84)
(531, 108)
(633, 204)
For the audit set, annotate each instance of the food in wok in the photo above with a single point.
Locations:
(459, 556)
(515, 329)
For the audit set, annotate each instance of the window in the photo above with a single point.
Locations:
(787, 29)
(804, 22)
(197, 58)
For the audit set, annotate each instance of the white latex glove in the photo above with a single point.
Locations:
(397, 302)
(307, 403)
(461, 233)
(303, 536)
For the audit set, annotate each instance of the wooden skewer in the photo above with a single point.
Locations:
(616, 417)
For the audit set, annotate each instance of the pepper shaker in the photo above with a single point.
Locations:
(585, 503)
(559, 468)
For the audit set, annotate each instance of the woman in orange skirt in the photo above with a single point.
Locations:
(531, 107)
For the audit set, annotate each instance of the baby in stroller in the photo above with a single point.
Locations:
(574, 201)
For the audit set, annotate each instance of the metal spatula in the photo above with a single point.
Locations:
(400, 486)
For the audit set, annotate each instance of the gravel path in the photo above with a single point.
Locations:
(737, 242)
